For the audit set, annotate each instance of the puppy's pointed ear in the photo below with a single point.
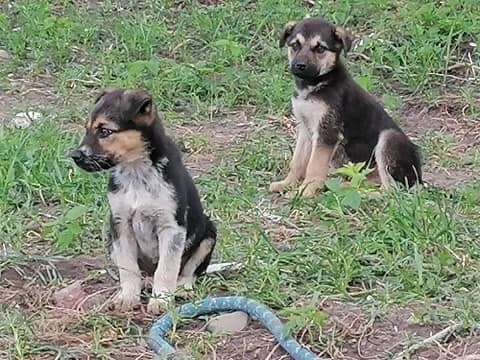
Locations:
(345, 39)
(142, 107)
(102, 93)
(286, 32)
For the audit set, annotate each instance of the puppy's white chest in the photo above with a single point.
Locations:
(142, 190)
(309, 112)
(145, 204)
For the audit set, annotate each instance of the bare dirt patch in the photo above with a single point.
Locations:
(253, 343)
(457, 348)
(445, 178)
(205, 143)
(25, 94)
(33, 282)
(351, 333)
(70, 327)
(447, 119)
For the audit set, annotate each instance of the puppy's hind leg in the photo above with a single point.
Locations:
(198, 262)
(299, 162)
(397, 158)
(200, 256)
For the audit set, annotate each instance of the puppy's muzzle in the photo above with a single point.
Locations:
(304, 70)
(77, 155)
(90, 162)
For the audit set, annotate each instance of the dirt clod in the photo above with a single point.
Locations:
(69, 296)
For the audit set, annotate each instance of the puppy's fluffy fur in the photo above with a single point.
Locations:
(157, 224)
(336, 116)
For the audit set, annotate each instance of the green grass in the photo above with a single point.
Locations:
(397, 248)
(211, 55)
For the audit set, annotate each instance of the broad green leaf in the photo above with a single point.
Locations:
(234, 48)
(67, 237)
(333, 184)
(352, 199)
(75, 213)
(302, 317)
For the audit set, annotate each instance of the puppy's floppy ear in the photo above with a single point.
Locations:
(141, 104)
(286, 32)
(344, 38)
(102, 93)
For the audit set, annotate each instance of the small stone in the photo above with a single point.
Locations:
(228, 323)
(4, 55)
(24, 119)
(69, 296)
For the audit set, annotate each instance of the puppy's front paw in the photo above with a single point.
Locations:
(158, 304)
(186, 281)
(310, 189)
(126, 301)
(278, 186)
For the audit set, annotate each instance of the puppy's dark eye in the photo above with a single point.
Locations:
(103, 133)
(320, 48)
(295, 46)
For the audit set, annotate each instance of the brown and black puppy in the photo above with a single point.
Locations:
(335, 115)
(157, 223)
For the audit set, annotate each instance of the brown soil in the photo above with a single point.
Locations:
(445, 178)
(446, 118)
(253, 343)
(355, 335)
(419, 121)
(34, 287)
(349, 332)
(26, 94)
(34, 282)
(217, 136)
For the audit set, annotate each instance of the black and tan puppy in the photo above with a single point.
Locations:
(157, 224)
(334, 114)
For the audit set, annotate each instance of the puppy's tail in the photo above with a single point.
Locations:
(398, 158)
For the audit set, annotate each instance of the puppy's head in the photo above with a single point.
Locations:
(314, 47)
(114, 132)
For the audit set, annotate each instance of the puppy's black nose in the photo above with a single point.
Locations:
(77, 155)
(300, 66)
